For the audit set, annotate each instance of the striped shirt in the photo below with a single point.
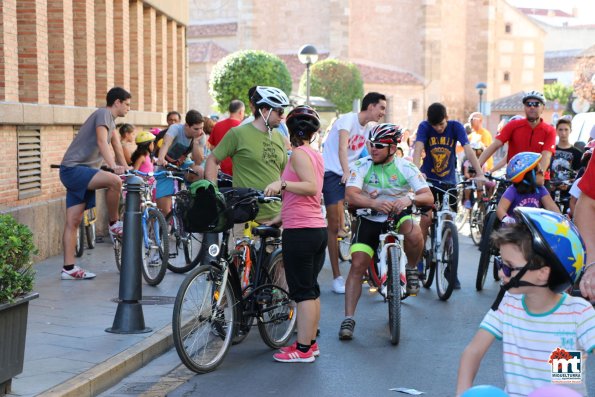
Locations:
(529, 339)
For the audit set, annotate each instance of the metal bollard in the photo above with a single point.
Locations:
(129, 317)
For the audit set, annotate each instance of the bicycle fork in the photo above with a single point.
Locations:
(383, 255)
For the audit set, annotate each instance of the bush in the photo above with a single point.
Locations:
(233, 75)
(339, 82)
(16, 249)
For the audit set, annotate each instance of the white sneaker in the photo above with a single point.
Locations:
(117, 229)
(339, 285)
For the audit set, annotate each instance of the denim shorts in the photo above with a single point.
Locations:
(165, 186)
(76, 179)
(332, 189)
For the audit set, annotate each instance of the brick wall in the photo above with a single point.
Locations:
(61, 52)
(104, 49)
(122, 47)
(150, 66)
(84, 52)
(9, 61)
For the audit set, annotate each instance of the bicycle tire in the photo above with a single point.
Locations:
(276, 318)
(187, 241)
(155, 247)
(476, 224)
(486, 251)
(345, 242)
(461, 217)
(394, 294)
(80, 240)
(118, 252)
(428, 262)
(202, 334)
(447, 263)
(91, 235)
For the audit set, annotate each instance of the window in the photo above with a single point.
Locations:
(29, 161)
(506, 76)
(508, 28)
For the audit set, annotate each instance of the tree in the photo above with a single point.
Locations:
(233, 75)
(584, 76)
(339, 82)
(557, 91)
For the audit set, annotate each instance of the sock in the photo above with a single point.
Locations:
(303, 348)
(68, 267)
(348, 317)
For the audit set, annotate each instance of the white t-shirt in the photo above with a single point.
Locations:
(575, 191)
(357, 139)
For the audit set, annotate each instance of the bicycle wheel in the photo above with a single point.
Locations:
(80, 240)
(192, 244)
(476, 223)
(486, 251)
(428, 260)
(118, 252)
(203, 330)
(345, 242)
(448, 259)
(156, 247)
(276, 312)
(90, 233)
(462, 215)
(394, 294)
(246, 274)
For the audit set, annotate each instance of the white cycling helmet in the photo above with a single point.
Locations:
(269, 96)
(534, 95)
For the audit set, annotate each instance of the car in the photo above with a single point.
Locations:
(583, 127)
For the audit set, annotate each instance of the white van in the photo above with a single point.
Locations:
(583, 127)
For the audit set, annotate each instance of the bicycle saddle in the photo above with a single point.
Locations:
(266, 231)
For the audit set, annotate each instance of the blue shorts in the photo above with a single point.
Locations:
(165, 186)
(76, 179)
(332, 189)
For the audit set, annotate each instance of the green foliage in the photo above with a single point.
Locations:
(339, 82)
(557, 91)
(233, 75)
(16, 248)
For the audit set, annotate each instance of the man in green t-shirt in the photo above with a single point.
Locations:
(259, 155)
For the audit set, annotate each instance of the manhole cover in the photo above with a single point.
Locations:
(153, 300)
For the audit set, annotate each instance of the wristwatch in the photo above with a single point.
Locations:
(411, 196)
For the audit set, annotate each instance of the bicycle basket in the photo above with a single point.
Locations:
(242, 203)
(207, 211)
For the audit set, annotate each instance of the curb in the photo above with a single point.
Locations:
(110, 372)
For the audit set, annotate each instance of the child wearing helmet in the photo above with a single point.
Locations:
(524, 192)
(142, 158)
(537, 322)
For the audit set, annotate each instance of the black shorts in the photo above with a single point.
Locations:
(452, 198)
(366, 235)
(303, 257)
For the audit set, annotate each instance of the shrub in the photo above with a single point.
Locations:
(233, 75)
(339, 82)
(16, 249)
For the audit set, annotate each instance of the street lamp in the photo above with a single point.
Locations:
(480, 87)
(308, 55)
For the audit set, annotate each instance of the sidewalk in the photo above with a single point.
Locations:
(68, 351)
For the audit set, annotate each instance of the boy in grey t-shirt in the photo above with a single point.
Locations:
(80, 174)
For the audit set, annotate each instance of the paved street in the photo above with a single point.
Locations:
(434, 334)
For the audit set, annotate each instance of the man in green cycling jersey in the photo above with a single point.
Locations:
(384, 183)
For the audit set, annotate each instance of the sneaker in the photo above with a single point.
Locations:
(294, 356)
(117, 229)
(288, 349)
(76, 274)
(339, 285)
(347, 327)
(412, 281)
(467, 204)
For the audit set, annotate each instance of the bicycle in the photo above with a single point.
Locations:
(155, 241)
(86, 232)
(491, 223)
(477, 217)
(345, 241)
(212, 306)
(441, 250)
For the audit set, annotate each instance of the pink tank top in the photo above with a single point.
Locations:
(299, 212)
(147, 165)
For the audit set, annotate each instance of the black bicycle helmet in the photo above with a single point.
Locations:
(303, 121)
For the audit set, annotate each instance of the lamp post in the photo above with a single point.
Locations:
(308, 55)
(480, 87)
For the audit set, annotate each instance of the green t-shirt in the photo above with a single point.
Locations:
(258, 159)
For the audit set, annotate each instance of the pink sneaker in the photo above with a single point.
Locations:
(288, 349)
(294, 356)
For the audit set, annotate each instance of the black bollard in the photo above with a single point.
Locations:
(129, 317)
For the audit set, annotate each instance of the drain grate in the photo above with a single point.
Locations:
(153, 300)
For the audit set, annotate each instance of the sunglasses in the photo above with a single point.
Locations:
(379, 145)
(532, 104)
(279, 111)
(507, 270)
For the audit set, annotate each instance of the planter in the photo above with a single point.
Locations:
(13, 331)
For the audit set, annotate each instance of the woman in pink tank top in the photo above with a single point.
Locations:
(304, 231)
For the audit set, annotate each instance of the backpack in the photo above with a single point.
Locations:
(207, 211)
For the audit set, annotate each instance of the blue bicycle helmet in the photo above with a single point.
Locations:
(520, 164)
(558, 241)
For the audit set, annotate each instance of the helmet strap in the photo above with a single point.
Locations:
(266, 121)
(514, 282)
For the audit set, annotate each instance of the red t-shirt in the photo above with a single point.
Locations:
(217, 134)
(587, 182)
(521, 137)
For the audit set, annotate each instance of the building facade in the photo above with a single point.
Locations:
(58, 59)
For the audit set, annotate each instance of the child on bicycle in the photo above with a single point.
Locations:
(537, 322)
(142, 158)
(525, 191)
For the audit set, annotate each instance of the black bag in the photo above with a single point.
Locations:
(206, 210)
(241, 202)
